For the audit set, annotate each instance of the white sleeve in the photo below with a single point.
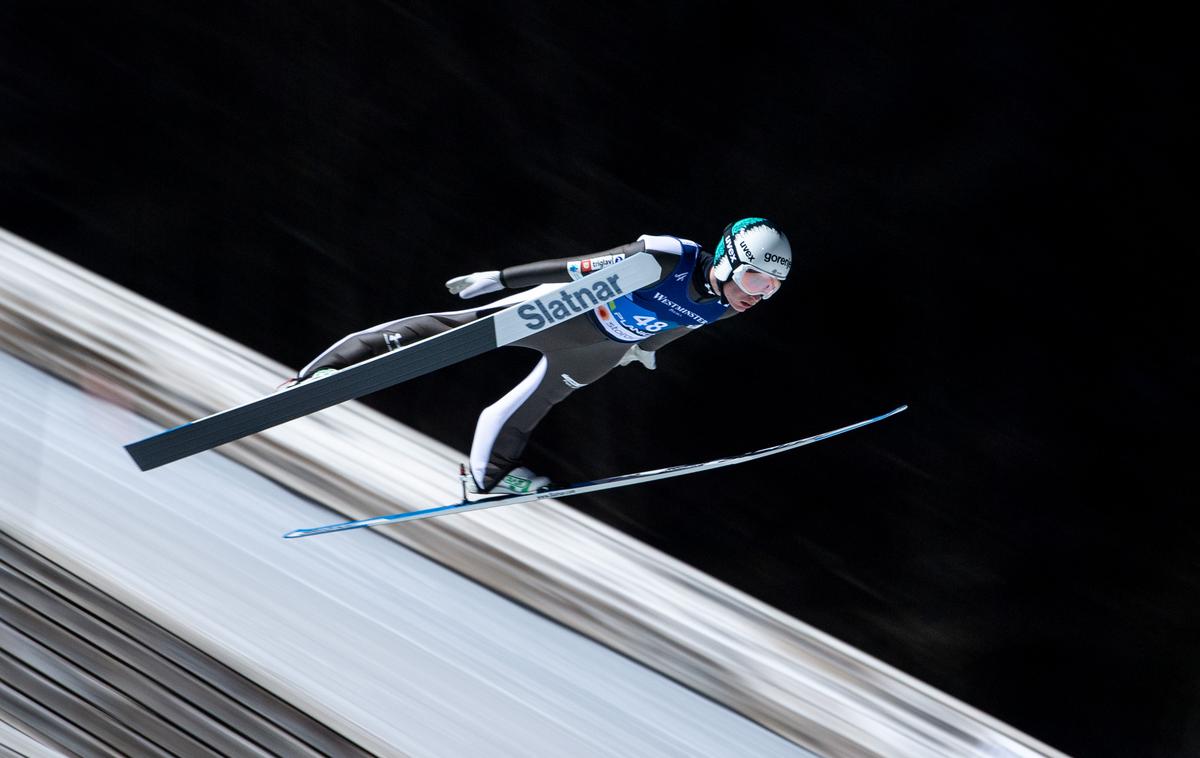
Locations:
(661, 243)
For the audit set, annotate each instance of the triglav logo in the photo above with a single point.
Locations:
(588, 265)
(572, 301)
(577, 269)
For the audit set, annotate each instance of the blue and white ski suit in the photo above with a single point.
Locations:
(574, 353)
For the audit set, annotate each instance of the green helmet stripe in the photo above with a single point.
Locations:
(737, 227)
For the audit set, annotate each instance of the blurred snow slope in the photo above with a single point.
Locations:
(388, 647)
(383, 644)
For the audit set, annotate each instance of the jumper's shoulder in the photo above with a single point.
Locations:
(666, 243)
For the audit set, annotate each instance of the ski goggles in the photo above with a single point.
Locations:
(754, 282)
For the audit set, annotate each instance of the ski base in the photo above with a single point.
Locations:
(581, 488)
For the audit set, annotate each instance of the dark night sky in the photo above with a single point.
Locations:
(983, 202)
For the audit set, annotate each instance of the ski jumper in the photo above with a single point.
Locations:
(574, 353)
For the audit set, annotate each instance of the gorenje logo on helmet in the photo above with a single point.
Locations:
(773, 258)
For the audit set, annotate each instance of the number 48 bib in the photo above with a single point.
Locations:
(661, 306)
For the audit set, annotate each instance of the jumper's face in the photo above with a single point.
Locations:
(755, 282)
(738, 298)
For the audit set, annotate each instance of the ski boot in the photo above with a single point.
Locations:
(519, 481)
(320, 373)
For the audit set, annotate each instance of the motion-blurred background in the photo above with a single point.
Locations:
(979, 198)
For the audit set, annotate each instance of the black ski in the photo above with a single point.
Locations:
(501, 328)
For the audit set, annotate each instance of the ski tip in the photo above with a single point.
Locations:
(891, 413)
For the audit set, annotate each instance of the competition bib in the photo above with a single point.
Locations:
(662, 306)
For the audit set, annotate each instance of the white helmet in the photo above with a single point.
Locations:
(752, 244)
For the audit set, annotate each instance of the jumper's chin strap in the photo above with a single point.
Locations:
(705, 281)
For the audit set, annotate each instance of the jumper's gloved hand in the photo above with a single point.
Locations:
(635, 353)
(472, 285)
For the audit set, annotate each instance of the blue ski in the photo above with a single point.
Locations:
(579, 489)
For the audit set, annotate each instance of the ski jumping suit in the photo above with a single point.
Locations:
(575, 353)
